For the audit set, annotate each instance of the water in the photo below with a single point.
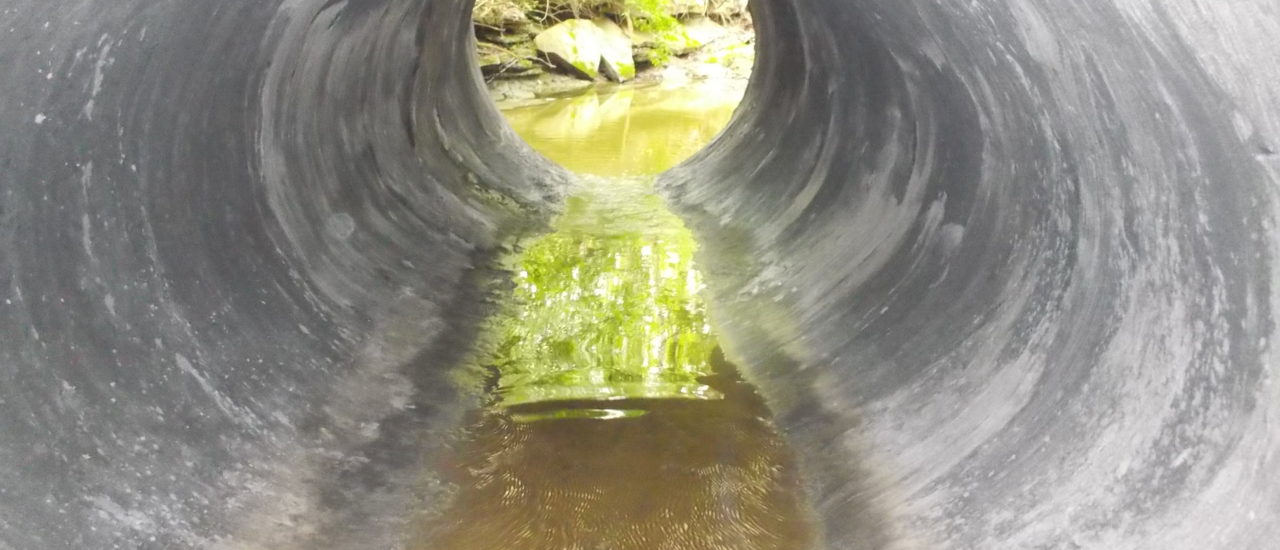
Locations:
(629, 131)
(615, 422)
(651, 474)
(607, 305)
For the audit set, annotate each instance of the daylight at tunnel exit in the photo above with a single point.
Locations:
(639, 275)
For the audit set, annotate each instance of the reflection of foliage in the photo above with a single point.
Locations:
(607, 306)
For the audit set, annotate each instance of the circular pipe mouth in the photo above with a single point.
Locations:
(576, 123)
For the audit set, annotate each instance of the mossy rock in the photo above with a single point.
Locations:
(617, 62)
(498, 14)
(575, 46)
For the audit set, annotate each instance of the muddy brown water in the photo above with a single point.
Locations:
(675, 474)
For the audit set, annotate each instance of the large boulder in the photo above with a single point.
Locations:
(616, 62)
(576, 45)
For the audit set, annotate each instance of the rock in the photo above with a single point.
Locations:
(687, 7)
(709, 71)
(646, 57)
(678, 41)
(588, 48)
(702, 31)
(553, 88)
(643, 39)
(498, 15)
(527, 70)
(576, 45)
(617, 62)
(738, 58)
(499, 62)
(503, 37)
(651, 49)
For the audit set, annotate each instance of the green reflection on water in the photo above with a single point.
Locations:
(628, 131)
(606, 307)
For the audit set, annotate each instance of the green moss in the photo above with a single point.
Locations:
(652, 16)
(585, 68)
(627, 70)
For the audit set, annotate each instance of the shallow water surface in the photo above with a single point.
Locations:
(607, 306)
(627, 131)
(663, 474)
(613, 420)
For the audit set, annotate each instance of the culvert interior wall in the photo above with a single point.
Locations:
(1004, 270)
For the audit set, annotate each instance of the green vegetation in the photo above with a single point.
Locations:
(653, 19)
(651, 16)
(656, 28)
(606, 307)
(646, 14)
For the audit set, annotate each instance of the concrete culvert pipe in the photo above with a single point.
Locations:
(1004, 270)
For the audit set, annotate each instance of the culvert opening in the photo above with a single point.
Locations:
(612, 419)
(615, 87)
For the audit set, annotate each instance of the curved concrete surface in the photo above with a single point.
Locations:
(1004, 269)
